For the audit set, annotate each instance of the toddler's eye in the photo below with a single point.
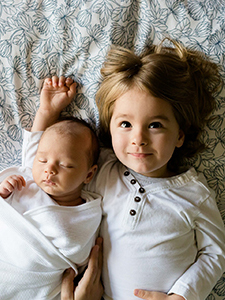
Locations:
(125, 124)
(155, 125)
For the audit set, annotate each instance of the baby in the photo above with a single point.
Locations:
(163, 236)
(48, 222)
(61, 166)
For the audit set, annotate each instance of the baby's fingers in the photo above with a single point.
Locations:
(55, 81)
(21, 182)
(69, 81)
(15, 182)
(47, 82)
(72, 90)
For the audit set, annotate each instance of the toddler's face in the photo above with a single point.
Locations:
(144, 133)
(61, 165)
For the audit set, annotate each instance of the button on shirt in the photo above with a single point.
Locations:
(155, 247)
(149, 233)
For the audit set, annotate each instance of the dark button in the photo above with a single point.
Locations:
(126, 173)
(132, 212)
(137, 199)
(141, 190)
(133, 181)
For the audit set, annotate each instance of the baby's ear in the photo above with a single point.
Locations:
(181, 139)
(91, 174)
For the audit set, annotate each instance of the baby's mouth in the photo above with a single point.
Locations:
(49, 182)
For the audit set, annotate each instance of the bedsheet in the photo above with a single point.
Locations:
(40, 38)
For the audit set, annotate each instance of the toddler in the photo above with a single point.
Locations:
(161, 228)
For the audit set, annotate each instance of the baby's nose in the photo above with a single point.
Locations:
(50, 170)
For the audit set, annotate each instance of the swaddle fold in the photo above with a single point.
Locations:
(38, 245)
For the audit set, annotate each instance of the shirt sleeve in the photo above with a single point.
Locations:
(199, 279)
(106, 160)
(29, 148)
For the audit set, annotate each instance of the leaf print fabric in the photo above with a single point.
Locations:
(40, 38)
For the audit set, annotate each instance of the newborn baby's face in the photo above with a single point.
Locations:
(61, 166)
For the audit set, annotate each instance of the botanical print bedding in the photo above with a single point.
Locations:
(40, 38)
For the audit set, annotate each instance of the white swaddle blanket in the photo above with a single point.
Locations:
(38, 244)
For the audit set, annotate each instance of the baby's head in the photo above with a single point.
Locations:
(181, 77)
(66, 159)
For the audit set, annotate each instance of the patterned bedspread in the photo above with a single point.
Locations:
(40, 38)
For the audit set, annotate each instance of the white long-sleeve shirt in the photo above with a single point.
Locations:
(167, 236)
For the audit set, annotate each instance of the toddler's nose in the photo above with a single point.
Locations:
(139, 138)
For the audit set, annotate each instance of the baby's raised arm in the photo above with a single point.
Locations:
(11, 183)
(56, 94)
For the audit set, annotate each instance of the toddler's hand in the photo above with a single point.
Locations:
(11, 183)
(148, 295)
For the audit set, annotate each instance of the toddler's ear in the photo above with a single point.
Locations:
(91, 174)
(181, 138)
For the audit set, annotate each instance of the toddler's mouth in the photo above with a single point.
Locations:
(140, 155)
